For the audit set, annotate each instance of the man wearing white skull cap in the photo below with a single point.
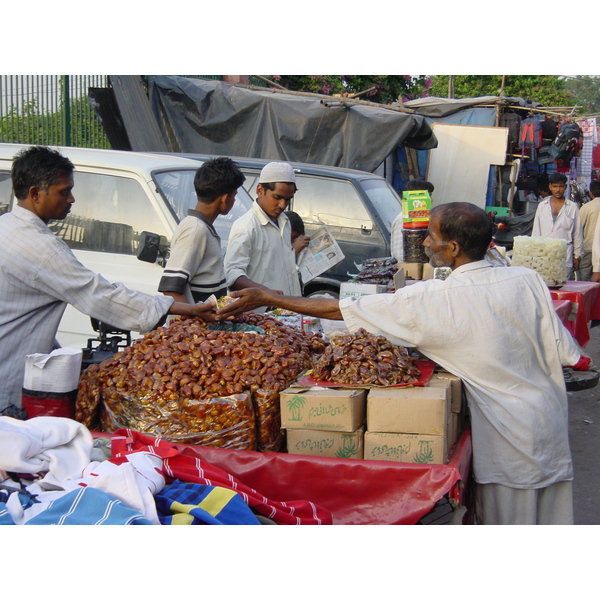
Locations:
(259, 249)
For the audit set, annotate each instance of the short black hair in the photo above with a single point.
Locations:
(468, 225)
(216, 177)
(296, 222)
(557, 178)
(270, 185)
(419, 184)
(38, 166)
(595, 188)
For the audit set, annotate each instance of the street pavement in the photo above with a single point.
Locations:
(584, 434)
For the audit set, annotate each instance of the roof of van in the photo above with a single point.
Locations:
(114, 159)
(313, 169)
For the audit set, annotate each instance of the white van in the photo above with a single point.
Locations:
(120, 197)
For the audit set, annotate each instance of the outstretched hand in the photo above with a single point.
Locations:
(245, 300)
(206, 310)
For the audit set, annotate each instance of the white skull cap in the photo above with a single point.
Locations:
(277, 172)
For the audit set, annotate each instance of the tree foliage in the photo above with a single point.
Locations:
(547, 90)
(383, 89)
(586, 90)
(33, 126)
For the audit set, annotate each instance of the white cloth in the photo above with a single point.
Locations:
(589, 218)
(57, 451)
(397, 239)
(262, 251)
(56, 445)
(596, 246)
(39, 276)
(567, 226)
(501, 505)
(496, 329)
(134, 482)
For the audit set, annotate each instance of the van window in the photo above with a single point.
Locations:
(108, 215)
(5, 191)
(386, 202)
(330, 202)
(177, 187)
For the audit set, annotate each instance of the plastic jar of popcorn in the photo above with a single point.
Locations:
(547, 256)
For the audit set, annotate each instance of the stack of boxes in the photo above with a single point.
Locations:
(324, 421)
(401, 424)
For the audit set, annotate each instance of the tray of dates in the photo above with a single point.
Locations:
(362, 359)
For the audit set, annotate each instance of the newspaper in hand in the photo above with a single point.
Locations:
(322, 253)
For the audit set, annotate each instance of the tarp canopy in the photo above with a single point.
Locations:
(442, 107)
(212, 117)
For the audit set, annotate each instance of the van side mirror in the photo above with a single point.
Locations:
(149, 247)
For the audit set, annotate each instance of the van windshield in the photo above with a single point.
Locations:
(177, 187)
(385, 200)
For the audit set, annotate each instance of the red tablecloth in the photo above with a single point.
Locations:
(356, 492)
(585, 306)
(563, 310)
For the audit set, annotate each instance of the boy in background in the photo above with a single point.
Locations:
(194, 270)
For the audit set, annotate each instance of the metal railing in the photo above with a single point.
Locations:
(50, 110)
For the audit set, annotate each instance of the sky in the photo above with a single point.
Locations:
(311, 37)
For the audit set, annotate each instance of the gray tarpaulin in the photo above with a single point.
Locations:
(442, 107)
(212, 117)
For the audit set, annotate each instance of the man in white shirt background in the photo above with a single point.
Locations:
(558, 217)
(259, 248)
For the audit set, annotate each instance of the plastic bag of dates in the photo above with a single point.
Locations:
(180, 368)
(227, 422)
(269, 435)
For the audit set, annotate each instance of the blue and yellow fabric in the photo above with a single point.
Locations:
(183, 503)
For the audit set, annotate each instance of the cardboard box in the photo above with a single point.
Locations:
(421, 410)
(361, 289)
(339, 409)
(412, 270)
(440, 378)
(416, 206)
(453, 428)
(428, 271)
(406, 447)
(335, 444)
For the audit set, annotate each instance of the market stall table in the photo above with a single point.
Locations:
(563, 309)
(585, 301)
(356, 492)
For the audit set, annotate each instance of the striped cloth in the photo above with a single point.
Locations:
(195, 504)
(84, 506)
(191, 469)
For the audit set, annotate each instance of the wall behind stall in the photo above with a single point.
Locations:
(459, 167)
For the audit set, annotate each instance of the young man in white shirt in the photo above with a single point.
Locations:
(259, 249)
(558, 217)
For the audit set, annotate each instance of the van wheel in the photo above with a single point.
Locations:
(334, 292)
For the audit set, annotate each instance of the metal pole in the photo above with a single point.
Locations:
(67, 109)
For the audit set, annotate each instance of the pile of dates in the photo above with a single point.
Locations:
(192, 382)
(362, 358)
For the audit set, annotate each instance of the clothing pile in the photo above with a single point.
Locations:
(52, 471)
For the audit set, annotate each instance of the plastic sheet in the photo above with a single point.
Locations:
(356, 492)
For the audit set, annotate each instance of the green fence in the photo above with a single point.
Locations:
(50, 110)
(55, 110)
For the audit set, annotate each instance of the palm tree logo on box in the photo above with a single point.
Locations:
(295, 405)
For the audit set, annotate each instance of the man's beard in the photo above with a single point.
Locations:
(435, 260)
